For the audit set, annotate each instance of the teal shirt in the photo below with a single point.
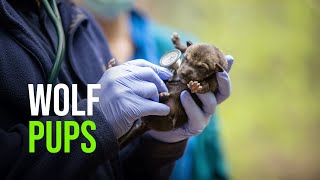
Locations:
(203, 157)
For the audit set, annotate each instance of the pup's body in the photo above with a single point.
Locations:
(177, 116)
(197, 74)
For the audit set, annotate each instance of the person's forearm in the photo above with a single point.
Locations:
(19, 163)
(147, 158)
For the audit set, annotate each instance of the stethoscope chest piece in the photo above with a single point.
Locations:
(171, 59)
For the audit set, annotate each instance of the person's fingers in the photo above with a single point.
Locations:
(224, 89)
(209, 102)
(230, 61)
(154, 108)
(162, 72)
(191, 107)
(147, 74)
(146, 90)
(196, 118)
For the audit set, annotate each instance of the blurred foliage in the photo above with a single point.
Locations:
(271, 124)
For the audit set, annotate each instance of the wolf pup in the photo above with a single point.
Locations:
(197, 74)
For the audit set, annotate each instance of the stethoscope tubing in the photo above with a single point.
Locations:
(53, 12)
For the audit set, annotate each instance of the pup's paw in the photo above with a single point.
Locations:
(177, 42)
(194, 86)
(112, 63)
(175, 38)
(164, 96)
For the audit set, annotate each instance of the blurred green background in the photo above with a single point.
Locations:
(270, 125)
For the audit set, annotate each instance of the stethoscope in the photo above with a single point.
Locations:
(52, 9)
(172, 61)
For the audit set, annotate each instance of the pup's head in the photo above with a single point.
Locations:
(201, 61)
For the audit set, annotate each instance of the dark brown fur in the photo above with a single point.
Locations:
(197, 74)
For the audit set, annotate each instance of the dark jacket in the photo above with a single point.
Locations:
(26, 55)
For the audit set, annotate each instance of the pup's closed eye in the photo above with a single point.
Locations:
(202, 67)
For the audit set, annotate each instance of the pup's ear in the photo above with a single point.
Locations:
(189, 43)
(218, 67)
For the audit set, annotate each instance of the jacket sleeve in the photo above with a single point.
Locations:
(147, 158)
(18, 163)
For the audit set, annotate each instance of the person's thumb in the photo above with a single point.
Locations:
(230, 61)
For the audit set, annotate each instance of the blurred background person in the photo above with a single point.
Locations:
(131, 35)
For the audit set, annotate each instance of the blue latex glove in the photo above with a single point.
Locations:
(130, 91)
(198, 119)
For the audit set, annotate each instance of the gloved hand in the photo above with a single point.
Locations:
(198, 118)
(130, 91)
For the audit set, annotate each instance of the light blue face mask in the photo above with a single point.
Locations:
(108, 8)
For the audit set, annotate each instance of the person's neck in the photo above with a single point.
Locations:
(118, 34)
(116, 28)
